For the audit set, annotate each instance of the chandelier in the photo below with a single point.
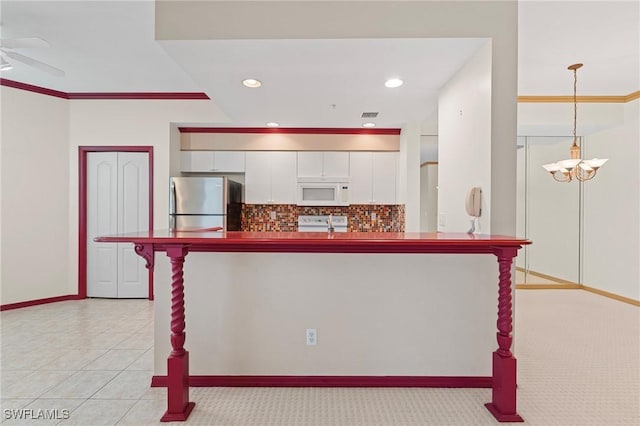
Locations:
(575, 167)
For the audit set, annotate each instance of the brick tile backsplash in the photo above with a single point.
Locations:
(388, 218)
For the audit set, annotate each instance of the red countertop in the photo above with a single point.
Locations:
(321, 242)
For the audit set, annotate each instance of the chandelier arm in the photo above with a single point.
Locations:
(583, 176)
(567, 177)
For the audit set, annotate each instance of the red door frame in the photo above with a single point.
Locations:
(82, 206)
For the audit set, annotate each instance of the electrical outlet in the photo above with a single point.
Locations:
(442, 219)
(312, 337)
(272, 215)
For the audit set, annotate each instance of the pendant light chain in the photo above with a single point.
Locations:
(575, 103)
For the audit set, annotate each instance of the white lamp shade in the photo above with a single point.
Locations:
(569, 164)
(552, 167)
(585, 166)
(596, 162)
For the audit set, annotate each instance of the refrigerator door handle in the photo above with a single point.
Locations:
(172, 205)
(172, 197)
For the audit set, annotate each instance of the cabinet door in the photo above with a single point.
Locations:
(229, 161)
(336, 164)
(283, 177)
(257, 177)
(197, 161)
(310, 164)
(384, 166)
(360, 182)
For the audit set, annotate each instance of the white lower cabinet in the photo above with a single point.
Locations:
(270, 177)
(373, 177)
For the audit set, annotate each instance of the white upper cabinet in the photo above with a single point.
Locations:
(270, 177)
(283, 177)
(384, 173)
(229, 161)
(213, 161)
(360, 164)
(373, 177)
(327, 164)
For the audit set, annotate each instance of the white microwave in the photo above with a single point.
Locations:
(323, 193)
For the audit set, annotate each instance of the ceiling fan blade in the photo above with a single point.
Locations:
(35, 63)
(26, 42)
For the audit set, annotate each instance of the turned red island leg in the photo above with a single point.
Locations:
(503, 404)
(178, 405)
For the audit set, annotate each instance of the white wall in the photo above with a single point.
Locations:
(554, 119)
(429, 148)
(612, 209)
(465, 144)
(429, 197)
(35, 210)
(553, 212)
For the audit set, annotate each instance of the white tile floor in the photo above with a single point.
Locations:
(578, 355)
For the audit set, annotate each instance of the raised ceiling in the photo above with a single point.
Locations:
(110, 47)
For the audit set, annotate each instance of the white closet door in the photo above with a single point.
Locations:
(102, 219)
(117, 202)
(133, 215)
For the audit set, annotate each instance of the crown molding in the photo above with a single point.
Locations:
(31, 88)
(104, 95)
(292, 130)
(580, 99)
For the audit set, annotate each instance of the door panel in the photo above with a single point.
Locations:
(257, 178)
(360, 183)
(133, 215)
(102, 219)
(336, 164)
(384, 177)
(283, 177)
(132, 275)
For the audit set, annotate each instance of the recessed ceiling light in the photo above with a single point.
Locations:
(393, 82)
(252, 82)
(272, 124)
(369, 125)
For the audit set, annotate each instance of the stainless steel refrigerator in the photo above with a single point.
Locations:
(204, 202)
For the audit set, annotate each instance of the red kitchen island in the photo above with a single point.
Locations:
(178, 244)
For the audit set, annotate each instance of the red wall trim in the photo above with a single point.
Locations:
(291, 130)
(32, 88)
(35, 302)
(334, 381)
(105, 95)
(82, 208)
(139, 95)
